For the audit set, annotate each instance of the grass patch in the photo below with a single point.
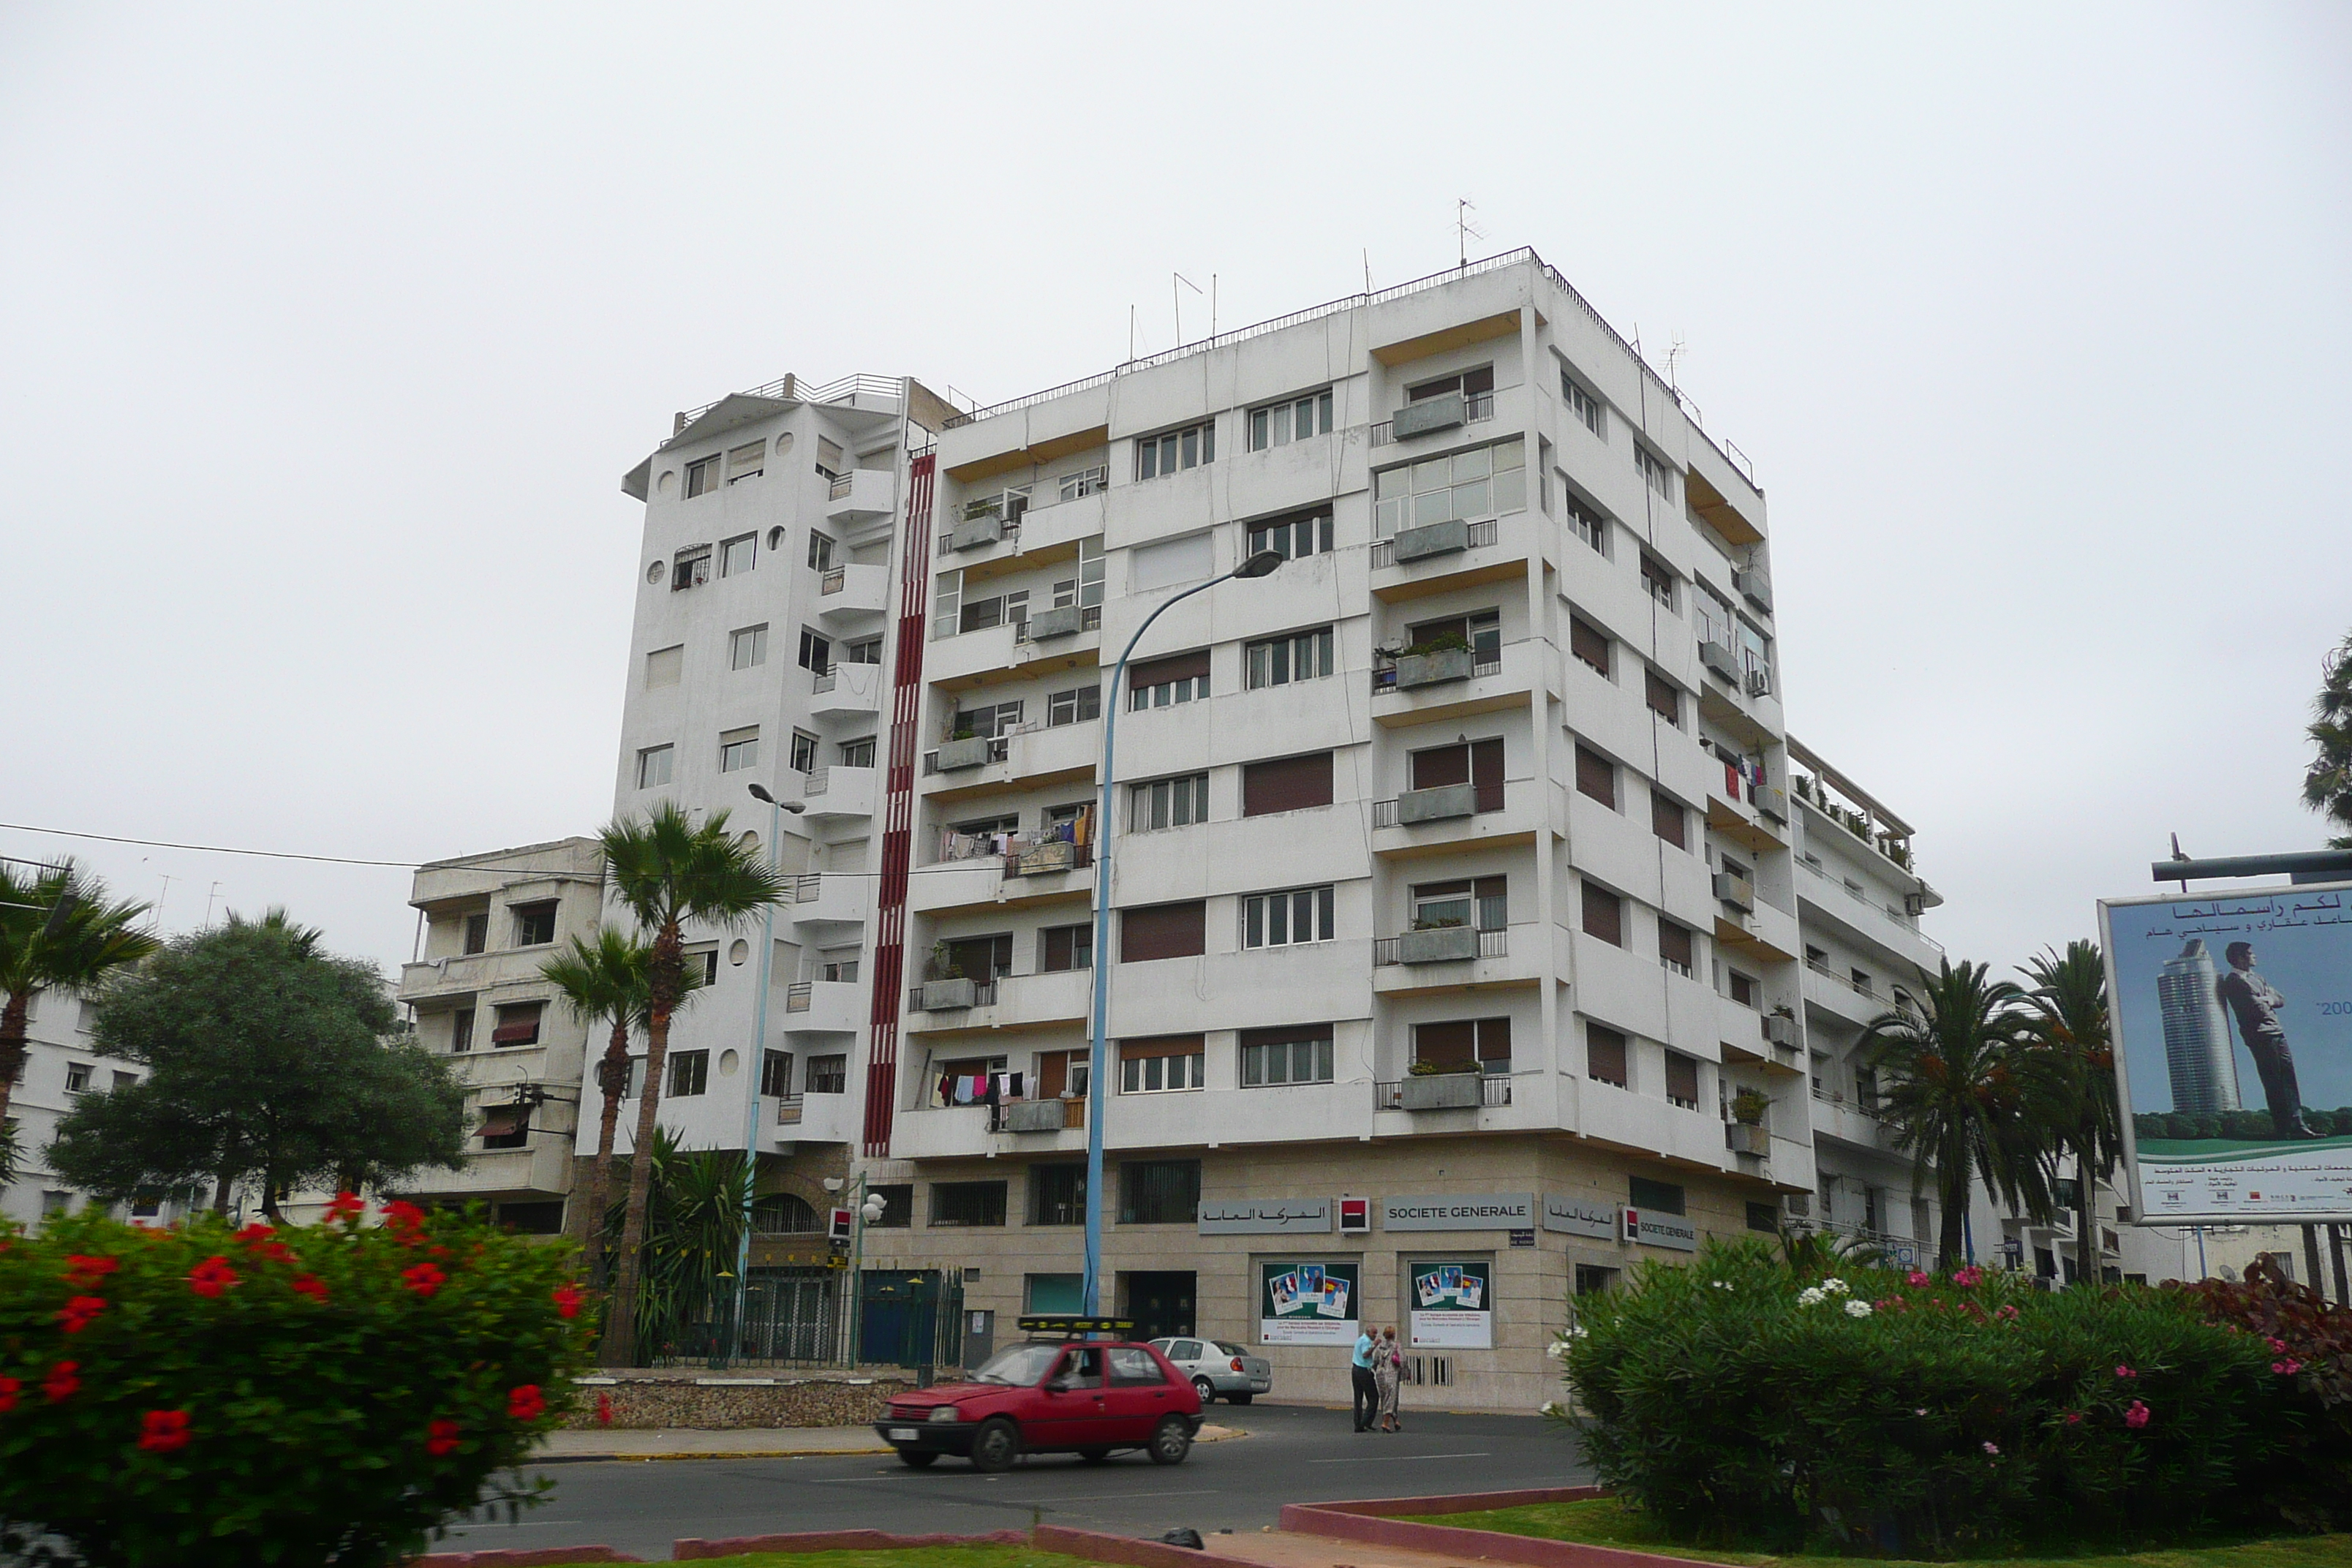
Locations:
(985, 1556)
(1605, 1521)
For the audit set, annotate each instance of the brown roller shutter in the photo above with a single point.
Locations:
(1682, 1076)
(1285, 1034)
(1493, 1040)
(1486, 772)
(1163, 931)
(1604, 915)
(1666, 821)
(1175, 666)
(1605, 1053)
(1661, 697)
(1162, 1045)
(1440, 766)
(1286, 784)
(1674, 943)
(1588, 643)
(1451, 1044)
(1596, 775)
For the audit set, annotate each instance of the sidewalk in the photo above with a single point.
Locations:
(1289, 1548)
(742, 1443)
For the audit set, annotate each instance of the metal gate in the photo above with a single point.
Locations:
(912, 1319)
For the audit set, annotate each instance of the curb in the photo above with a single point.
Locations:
(698, 1454)
(1373, 1523)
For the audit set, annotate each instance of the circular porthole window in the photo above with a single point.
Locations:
(653, 573)
(748, 843)
(775, 539)
(784, 444)
(729, 1063)
(668, 482)
(738, 952)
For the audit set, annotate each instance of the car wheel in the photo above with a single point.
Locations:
(1095, 1456)
(1206, 1390)
(1239, 1398)
(918, 1458)
(996, 1446)
(1169, 1442)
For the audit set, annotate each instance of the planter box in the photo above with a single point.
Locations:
(1439, 805)
(1434, 669)
(1430, 539)
(1737, 891)
(1035, 1116)
(1430, 413)
(978, 532)
(1720, 661)
(1780, 1031)
(1444, 945)
(1064, 622)
(1754, 587)
(1743, 1139)
(956, 755)
(945, 995)
(1441, 1091)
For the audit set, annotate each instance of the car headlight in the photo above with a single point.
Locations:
(946, 1413)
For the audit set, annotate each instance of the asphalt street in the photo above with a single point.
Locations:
(1293, 1454)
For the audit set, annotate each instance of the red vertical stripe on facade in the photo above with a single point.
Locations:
(897, 822)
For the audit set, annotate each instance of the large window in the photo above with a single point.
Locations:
(1163, 931)
(738, 749)
(1160, 683)
(1605, 1054)
(1301, 1054)
(654, 766)
(1482, 901)
(1655, 471)
(1292, 537)
(747, 462)
(1286, 919)
(1293, 419)
(1161, 1066)
(534, 924)
(967, 1204)
(827, 1075)
(1463, 1044)
(776, 1074)
(1658, 580)
(1584, 405)
(1483, 482)
(820, 552)
(1156, 455)
(805, 747)
(1596, 777)
(1676, 948)
(1482, 630)
(816, 652)
(1065, 948)
(1286, 784)
(1663, 696)
(738, 554)
(1665, 1197)
(1168, 802)
(1668, 822)
(1160, 1191)
(516, 1023)
(689, 1073)
(702, 476)
(1471, 384)
(690, 568)
(665, 666)
(1279, 661)
(1590, 644)
(1086, 482)
(747, 648)
(979, 615)
(1682, 1080)
(1478, 763)
(1585, 519)
(784, 1214)
(1075, 706)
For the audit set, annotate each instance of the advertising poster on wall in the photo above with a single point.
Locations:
(1452, 1305)
(1307, 1302)
(2232, 1015)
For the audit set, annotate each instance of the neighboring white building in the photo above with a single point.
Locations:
(61, 1064)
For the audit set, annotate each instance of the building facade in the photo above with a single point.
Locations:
(62, 1063)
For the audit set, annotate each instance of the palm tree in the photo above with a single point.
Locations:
(2328, 786)
(694, 1229)
(667, 870)
(1953, 1091)
(58, 931)
(608, 981)
(2073, 1064)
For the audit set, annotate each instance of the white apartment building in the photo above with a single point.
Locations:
(62, 1063)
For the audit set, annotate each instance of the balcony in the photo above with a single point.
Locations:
(847, 593)
(824, 1008)
(1722, 662)
(814, 1119)
(847, 690)
(1038, 1115)
(976, 533)
(1069, 621)
(861, 495)
(1454, 816)
(1442, 944)
(1433, 416)
(1412, 671)
(841, 792)
(1054, 999)
(1746, 1138)
(1737, 891)
(967, 752)
(1031, 755)
(819, 899)
(1754, 587)
(1443, 1091)
(1849, 1122)
(1432, 688)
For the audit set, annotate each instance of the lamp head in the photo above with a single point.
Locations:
(1259, 565)
(834, 1184)
(760, 792)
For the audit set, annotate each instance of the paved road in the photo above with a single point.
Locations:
(1293, 1454)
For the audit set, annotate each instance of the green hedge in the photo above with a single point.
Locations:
(198, 1397)
(1736, 1397)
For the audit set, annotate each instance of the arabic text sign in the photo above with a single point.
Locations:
(1307, 1301)
(1265, 1216)
(1581, 1216)
(1453, 1305)
(1459, 1211)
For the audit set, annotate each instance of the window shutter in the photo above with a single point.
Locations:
(1162, 1045)
(1163, 931)
(1596, 777)
(1666, 820)
(1663, 701)
(1493, 1040)
(1604, 915)
(1674, 943)
(1176, 666)
(1605, 1053)
(1589, 644)
(1682, 1076)
(1440, 766)
(1486, 772)
(1286, 1034)
(1287, 784)
(1451, 1045)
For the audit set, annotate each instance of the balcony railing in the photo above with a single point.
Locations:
(1384, 675)
(984, 995)
(1487, 530)
(1389, 950)
(1476, 408)
(1089, 620)
(834, 581)
(1055, 855)
(805, 888)
(1036, 1115)
(788, 1110)
(1442, 1091)
(947, 546)
(1484, 798)
(798, 995)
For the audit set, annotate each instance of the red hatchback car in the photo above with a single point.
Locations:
(1090, 1397)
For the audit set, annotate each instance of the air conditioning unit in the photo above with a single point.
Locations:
(1759, 683)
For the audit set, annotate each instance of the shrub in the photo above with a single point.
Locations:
(2310, 1340)
(198, 1396)
(1741, 1397)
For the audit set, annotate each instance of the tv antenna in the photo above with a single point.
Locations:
(1174, 279)
(1465, 231)
(1674, 352)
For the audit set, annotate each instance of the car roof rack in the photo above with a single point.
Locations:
(1074, 1328)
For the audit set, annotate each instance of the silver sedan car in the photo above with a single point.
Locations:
(1218, 1368)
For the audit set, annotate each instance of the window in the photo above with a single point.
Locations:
(981, 958)
(1286, 919)
(1286, 784)
(1666, 820)
(1159, 1192)
(689, 1073)
(1272, 1057)
(990, 720)
(1655, 471)
(1743, 989)
(1605, 1054)
(1604, 915)
(827, 1075)
(816, 652)
(1584, 405)
(653, 771)
(1133, 1367)
(1664, 1197)
(1658, 579)
(1075, 706)
(1063, 1075)
(1163, 931)
(54, 1202)
(1715, 618)
(1168, 802)
(1482, 630)
(1481, 482)
(1664, 700)
(784, 1214)
(518, 1024)
(534, 924)
(1469, 383)
(1483, 902)
(747, 648)
(1057, 1194)
(1763, 1217)
(478, 927)
(1464, 1042)
(702, 476)
(78, 1077)
(1478, 763)
(898, 1204)
(1596, 777)
(776, 1074)
(864, 650)
(1086, 482)
(1158, 682)
(1585, 520)
(859, 753)
(122, 1080)
(1293, 537)
(707, 958)
(1158, 456)
(1279, 424)
(461, 1030)
(967, 1204)
(506, 1127)
(1588, 643)
(1682, 1080)
(1165, 1065)
(737, 555)
(820, 552)
(828, 456)
(803, 751)
(979, 615)
(665, 666)
(1676, 949)
(1279, 661)
(690, 567)
(1063, 948)
(1086, 589)
(1592, 1280)
(738, 749)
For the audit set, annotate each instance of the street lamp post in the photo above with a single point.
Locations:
(1258, 565)
(756, 1064)
(868, 1210)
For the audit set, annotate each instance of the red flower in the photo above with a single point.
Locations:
(62, 1384)
(604, 1410)
(346, 1206)
(76, 1314)
(1916, 1277)
(2006, 1312)
(526, 1402)
(567, 1301)
(256, 1231)
(83, 1273)
(211, 1277)
(2074, 1418)
(163, 1431)
(2277, 1345)
(405, 1220)
(2136, 1416)
(8, 1387)
(1968, 1278)
(2286, 1368)
(424, 1279)
(310, 1285)
(441, 1437)
(2125, 1372)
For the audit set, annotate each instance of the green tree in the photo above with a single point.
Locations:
(1952, 1090)
(269, 1061)
(2327, 787)
(608, 981)
(667, 870)
(695, 1206)
(58, 931)
(2073, 1066)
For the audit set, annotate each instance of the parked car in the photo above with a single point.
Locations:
(1091, 1398)
(1218, 1368)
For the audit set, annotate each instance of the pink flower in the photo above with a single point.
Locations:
(2286, 1368)
(1968, 1278)
(2074, 1418)
(1993, 1449)
(2006, 1312)
(1916, 1278)
(2136, 1416)
(2125, 1372)
(2278, 1344)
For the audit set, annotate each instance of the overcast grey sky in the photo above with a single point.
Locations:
(329, 331)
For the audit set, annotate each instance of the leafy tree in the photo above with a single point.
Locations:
(2073, 1065)
(269, 1061)
(58, 931)
(2327, 787)
(1952, 1090)
(695, 1208)
(667, 870)
(608, 981)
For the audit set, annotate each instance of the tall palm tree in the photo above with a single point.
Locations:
(608, 981)
(2073, 1064)
(58, 931)
(667, 870)
(694, 1228)
(2328, 786)
(1953, 1090)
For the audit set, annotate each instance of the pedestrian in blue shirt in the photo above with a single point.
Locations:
(1368, 1392)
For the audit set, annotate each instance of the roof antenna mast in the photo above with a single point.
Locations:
(1174, 279)
(1465, 231)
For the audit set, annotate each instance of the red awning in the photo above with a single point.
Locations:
(502, 1123)
(515, 1033)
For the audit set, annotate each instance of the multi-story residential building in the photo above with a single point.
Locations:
(487, 923)
(62, 1063)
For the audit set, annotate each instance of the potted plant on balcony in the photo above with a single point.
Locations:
(1446, 657)
(945, 985)
(1749, 1106)
(1436, 938)
(964, 748)
(1441, 1086)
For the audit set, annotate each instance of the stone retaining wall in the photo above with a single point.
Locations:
(655, 1401)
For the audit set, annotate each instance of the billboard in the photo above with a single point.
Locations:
(1307, 1302)
(2232, 1015)
(1453, 1305)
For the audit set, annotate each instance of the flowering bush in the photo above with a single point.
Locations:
(198, 1396)
(2307, 1341)
(1915, 1415)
